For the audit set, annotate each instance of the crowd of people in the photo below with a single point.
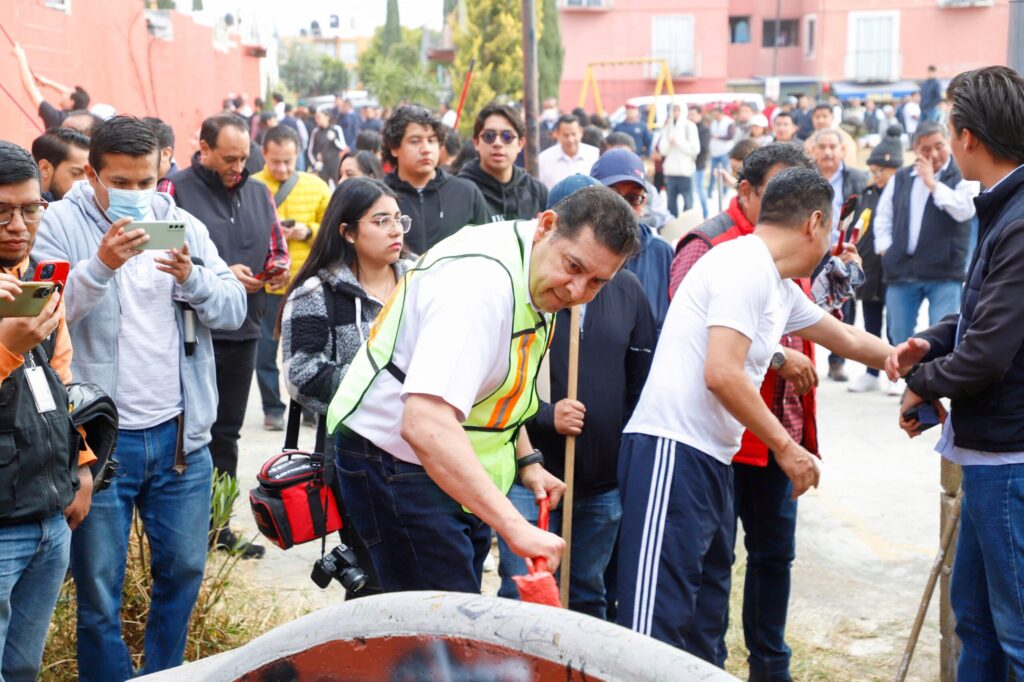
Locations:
(412, 289)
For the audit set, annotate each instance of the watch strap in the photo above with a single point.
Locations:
(534, 457)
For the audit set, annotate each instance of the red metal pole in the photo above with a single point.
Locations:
(465, 89)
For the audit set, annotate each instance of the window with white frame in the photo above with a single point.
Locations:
(873, 46)
(672, 39)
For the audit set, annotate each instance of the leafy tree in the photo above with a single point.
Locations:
(406, 53)
(335, 75)
(303, 68)
(392, 34)
(493, 36)
(392, 84)
(550, 53)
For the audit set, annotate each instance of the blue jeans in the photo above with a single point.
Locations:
(268, 377)
(987, 590)
(765, 505)
(903, 301)
(717, 162)
(175, 511)
(595, 525)
(418, 536)
(676, 544)
(674, 186)
(33, 562)
(702, 190)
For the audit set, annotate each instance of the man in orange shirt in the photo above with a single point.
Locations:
(45, 487)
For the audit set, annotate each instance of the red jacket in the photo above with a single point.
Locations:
(752, 451)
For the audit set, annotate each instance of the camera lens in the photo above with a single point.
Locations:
(353, 579)
(47, 272)
(43, 292)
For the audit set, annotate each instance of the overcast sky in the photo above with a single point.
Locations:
(291, 15)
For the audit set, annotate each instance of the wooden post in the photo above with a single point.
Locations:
(949, 644)
(530, 84)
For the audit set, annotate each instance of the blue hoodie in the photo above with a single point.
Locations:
(71, 230)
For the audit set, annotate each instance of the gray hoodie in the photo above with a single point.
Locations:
(71, 230)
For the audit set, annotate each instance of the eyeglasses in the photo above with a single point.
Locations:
(507, 136)
(30, 213)
(387, 222)
(635, 198)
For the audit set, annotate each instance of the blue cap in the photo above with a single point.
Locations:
(569, 186)
(618, 165)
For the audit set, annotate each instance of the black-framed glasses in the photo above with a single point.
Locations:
(387, 222)
(507, 136)
(31, 212)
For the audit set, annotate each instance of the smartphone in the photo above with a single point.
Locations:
(55, 271)
(30, 302)
(925, 414)
(271, 272)
(288, 223)
(163, 234)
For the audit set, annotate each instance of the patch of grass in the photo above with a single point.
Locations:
(225, 616)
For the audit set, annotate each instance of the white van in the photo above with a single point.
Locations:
(664, 103)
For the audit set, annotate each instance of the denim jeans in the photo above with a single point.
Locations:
(903, 301)
(717, 162)
(175, 511)
(674, 186)
(987, 590)
(595, 525)
(418, 536)
(268, 378)
(765, 505)
(702, 190)
(33, 562)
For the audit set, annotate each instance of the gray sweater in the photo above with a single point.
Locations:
(71, 230)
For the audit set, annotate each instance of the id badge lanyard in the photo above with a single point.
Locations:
(38, 385)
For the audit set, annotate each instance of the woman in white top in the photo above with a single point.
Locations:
(679, 146)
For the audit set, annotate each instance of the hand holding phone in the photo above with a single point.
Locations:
(924, 414)
(275, 270)
(20, 334)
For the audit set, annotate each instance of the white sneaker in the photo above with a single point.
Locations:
(894, 387)
(866, 382)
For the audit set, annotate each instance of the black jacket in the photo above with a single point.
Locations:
(442, 208)
(873, 288)
(616, 347)
(242, 221)
(982, 368)
(704, 137)
(521, 198)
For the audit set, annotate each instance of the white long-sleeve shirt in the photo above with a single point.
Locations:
(958, 202)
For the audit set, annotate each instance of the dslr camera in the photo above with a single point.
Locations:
(341, 565)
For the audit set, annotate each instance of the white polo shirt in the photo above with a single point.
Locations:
(735, 285)
(555, 165)
(454, 342)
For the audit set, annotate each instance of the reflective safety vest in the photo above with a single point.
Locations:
(494, 421)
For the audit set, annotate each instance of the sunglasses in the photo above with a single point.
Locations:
(507, 136)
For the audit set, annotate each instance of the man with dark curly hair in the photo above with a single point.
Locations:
(438, 203)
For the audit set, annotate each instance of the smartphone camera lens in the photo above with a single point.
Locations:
(47, 272)
(43, 292)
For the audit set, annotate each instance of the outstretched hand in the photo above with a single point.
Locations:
(905, 356)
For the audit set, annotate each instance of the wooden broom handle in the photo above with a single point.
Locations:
(570, 453)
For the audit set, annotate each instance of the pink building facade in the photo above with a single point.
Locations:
(844, 46)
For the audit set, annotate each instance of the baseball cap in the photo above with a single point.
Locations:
(618, 165)
(759, 120)
(568, 186)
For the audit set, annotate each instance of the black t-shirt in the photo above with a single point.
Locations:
(51, 115)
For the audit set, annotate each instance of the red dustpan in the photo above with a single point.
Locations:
(539, 586)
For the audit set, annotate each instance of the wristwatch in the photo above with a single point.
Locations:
(534, 457)
(778, 360)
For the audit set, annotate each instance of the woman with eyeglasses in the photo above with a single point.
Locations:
(354, 264)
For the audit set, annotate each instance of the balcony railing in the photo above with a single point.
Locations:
(874, 66)
(681, 64)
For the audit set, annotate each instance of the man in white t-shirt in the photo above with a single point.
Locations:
(429, 413)
(722, 330)
(569, 156)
